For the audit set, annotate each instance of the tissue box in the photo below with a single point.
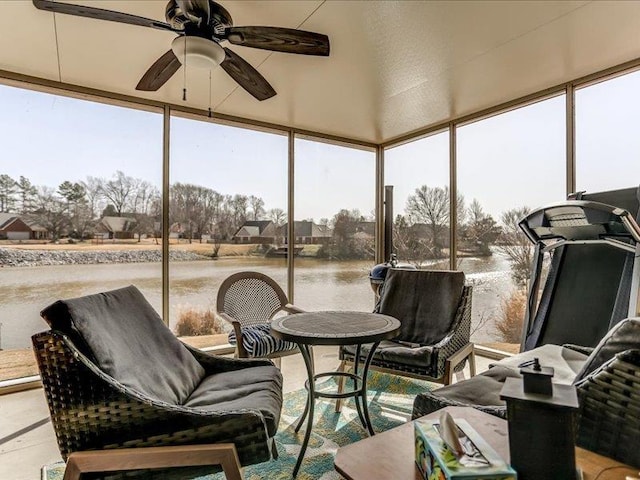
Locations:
(436, 462)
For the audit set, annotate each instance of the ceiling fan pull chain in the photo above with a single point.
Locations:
(210, 113)
(184, 71)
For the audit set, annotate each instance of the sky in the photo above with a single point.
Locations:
(506, 161)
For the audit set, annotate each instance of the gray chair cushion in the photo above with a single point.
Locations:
(129, 341)
(624, 336)
(566, 363)
(425, 302)
(483, 389)
(393, 352)
(249, 388)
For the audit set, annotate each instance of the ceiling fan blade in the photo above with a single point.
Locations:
(247, 76)
(197, 11)
(159, 72)
(100, 14)
(279, 39)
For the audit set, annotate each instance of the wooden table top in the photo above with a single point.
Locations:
(335, 327)
(391, 454)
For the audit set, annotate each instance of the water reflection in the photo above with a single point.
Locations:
(320, 284)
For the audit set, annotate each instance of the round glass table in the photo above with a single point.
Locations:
(334, 328)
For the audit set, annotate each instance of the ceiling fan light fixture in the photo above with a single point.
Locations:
(198, 52)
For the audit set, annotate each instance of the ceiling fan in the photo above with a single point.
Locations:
(202, 25)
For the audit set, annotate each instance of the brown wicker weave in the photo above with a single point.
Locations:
(448, 356)
(609, 415)
(91, 411)
(252, 298)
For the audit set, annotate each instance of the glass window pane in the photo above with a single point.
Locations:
(80, 202)
(607, 144)
(334, 226)
(507, 164)
(419, 174)
(228, 203)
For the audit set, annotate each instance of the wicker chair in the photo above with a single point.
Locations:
(608, 386)
(97, 406)
(434, 308)
(248, 301)
(609, 415)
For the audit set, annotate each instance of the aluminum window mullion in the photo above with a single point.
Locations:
(166, 133)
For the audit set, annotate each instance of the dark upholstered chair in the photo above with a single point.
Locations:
(248, 301)
(115, 377)
(607, 379)
(434, 309)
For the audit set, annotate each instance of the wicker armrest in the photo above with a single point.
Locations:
(215, 363)
(458, 335)
(578, 348)
(609, 415)
(92, 411)
(290, 308)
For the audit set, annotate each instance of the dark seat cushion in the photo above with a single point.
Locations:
(425, 302)
(482, 389)
(129, 341)
(393, 352)
(248, 388)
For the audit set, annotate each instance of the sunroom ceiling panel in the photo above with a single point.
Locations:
(29, 42)
(594, 38)
(391, 63)
(395, 66)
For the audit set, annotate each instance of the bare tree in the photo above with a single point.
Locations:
(481, 230)
(144, 196)
(409, 242)
(239, 205)
(93, 188)
(183, 205)
(278, 216)
(120, 190)
(515, 245)
(430, 205)
(51, 212)
(257, 207)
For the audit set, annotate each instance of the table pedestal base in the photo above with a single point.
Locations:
(359, 393)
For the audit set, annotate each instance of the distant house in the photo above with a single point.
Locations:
(307, 232)
(120, 228)
(20, 227)
(256, 231)
(365, 231)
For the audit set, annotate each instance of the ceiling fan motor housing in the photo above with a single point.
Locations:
(219, 19)
(197, 51)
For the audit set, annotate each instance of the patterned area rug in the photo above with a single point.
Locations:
(390, 402)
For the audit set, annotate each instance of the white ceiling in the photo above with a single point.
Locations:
(395, 67)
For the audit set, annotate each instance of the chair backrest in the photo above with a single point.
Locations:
(424, 301)
(250, 297)
(128, 340)
(622, 337)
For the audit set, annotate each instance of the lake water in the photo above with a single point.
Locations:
(320, 285)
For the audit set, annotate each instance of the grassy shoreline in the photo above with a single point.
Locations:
(21, 362)
(226, 249)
